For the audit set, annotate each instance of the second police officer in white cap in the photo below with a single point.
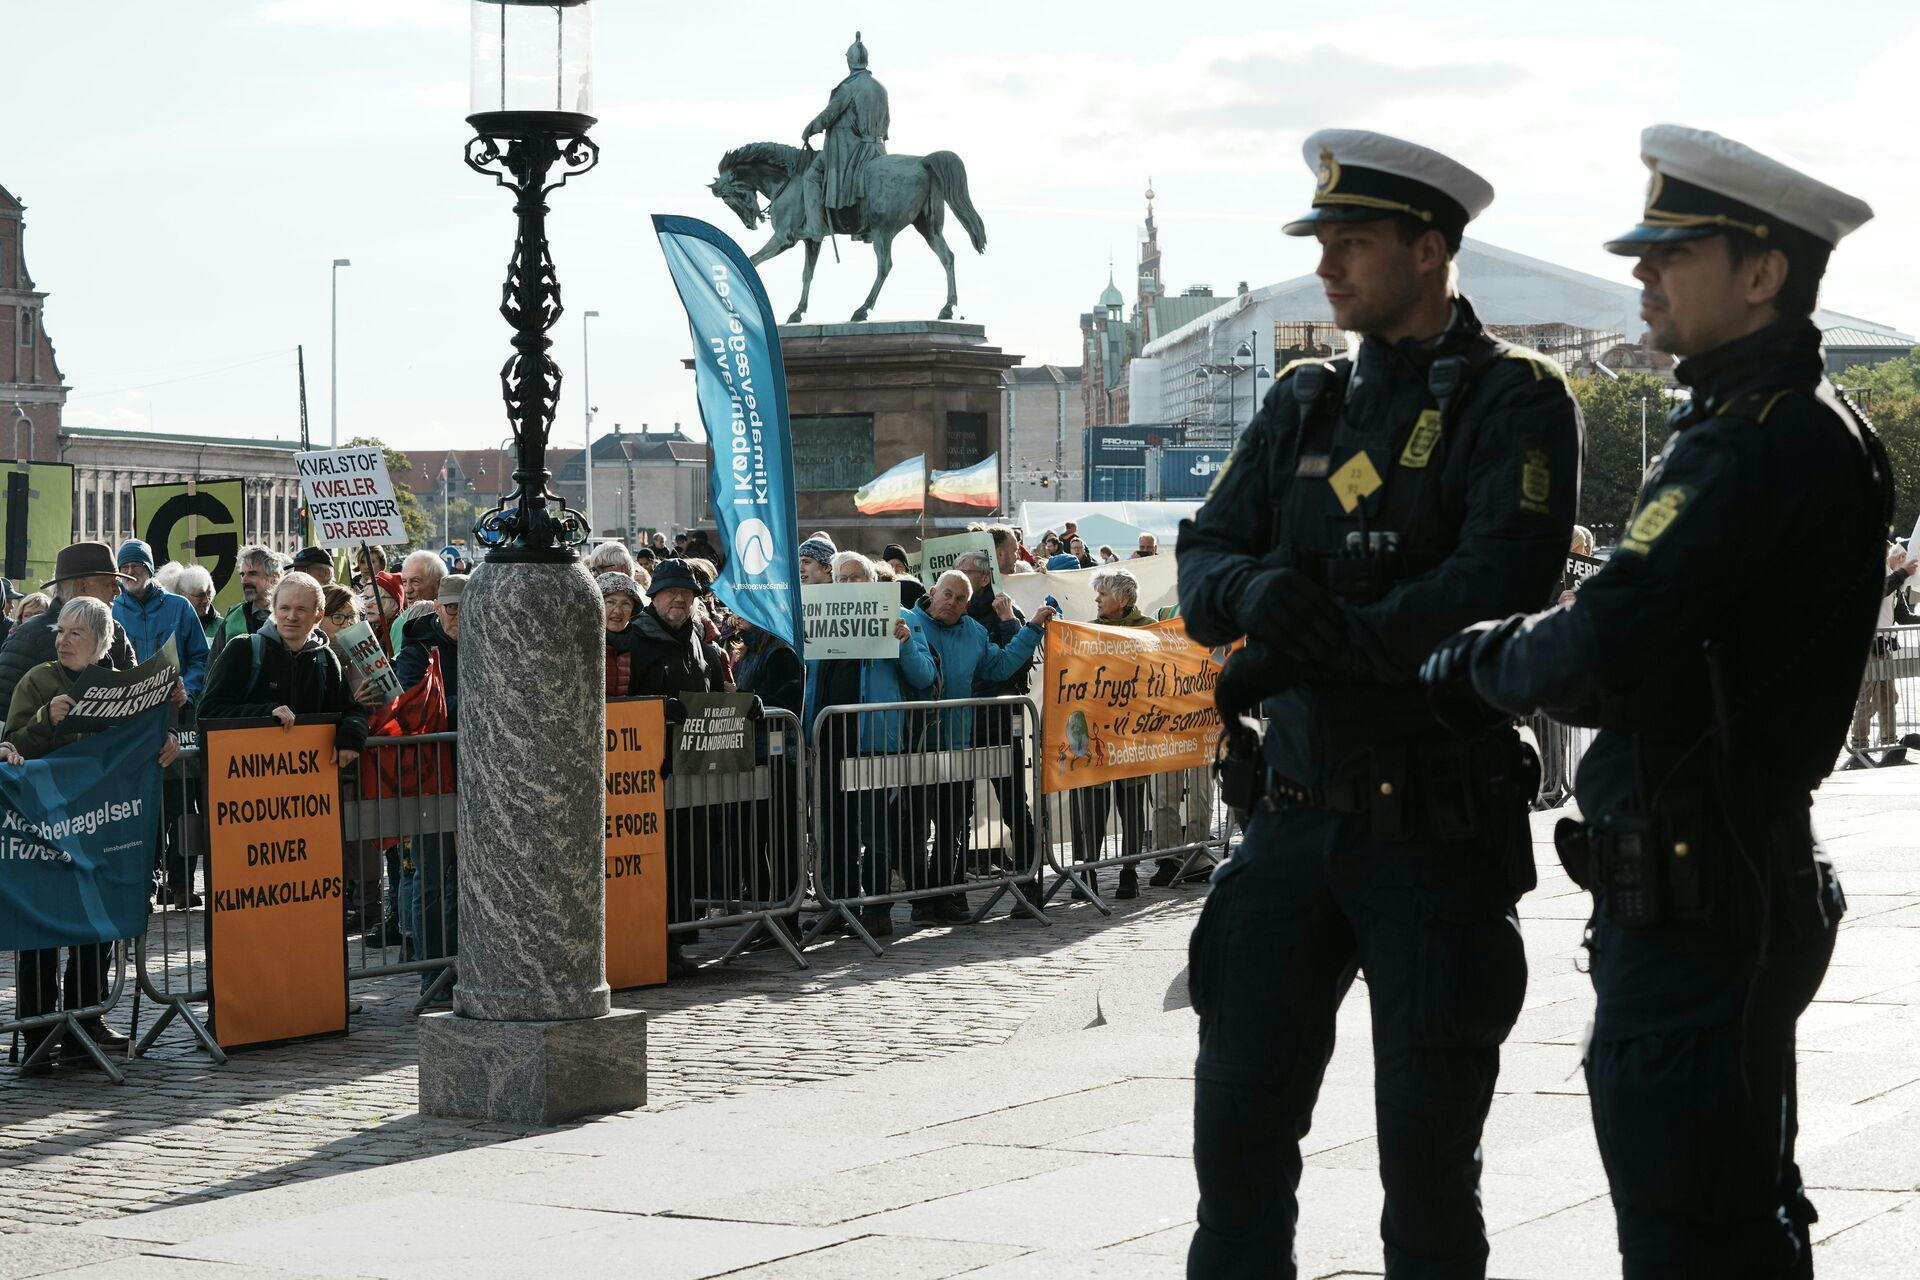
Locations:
(1372, 507)
(1715, 910)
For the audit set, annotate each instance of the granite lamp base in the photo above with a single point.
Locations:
(532, 1072)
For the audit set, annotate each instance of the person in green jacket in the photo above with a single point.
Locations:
(260, 570)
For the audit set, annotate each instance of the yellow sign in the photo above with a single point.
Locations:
(276, 917)
(1424, 440)
(31, 538)
(1125, 702)
(1354, 481)
(636, 843)
(201, 522)
(1663, 507)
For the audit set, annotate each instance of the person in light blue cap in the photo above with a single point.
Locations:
(152, 615)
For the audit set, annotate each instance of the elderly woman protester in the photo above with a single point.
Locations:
(37, 725)
(622, 598)
(876, 820)
(195, 584)
(1116, 595)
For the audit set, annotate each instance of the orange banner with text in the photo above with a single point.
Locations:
(276, 918)
(1124, 702)
(636, 843)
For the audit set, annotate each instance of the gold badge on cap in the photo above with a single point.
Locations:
(1328, 174)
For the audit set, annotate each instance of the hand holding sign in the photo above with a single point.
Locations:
(58, 708)
(285, 716)
(1003, 606)
(1041, 616)
(8, 755)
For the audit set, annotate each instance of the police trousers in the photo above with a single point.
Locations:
(1308, 900)
(1691, 1079)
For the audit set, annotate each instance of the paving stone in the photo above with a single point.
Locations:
(884, 1258)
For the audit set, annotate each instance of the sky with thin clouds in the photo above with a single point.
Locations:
(192, 168)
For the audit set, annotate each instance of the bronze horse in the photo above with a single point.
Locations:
(901, 191)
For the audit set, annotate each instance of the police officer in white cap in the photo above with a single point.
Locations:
(1374, 505)
(1714, 910)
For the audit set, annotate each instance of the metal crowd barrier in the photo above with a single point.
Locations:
(1888, 707)
(736, 855)
(170, 959)
(1174, 818)
(402, 864)
(923, 802)
(70, 965)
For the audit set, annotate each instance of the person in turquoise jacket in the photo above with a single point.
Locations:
(965, 653)
(152, 615)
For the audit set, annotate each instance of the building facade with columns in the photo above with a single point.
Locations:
(108, 463)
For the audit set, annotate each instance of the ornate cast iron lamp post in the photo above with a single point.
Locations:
(532, 1036)
(532, 98)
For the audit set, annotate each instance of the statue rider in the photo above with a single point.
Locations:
(855, 124)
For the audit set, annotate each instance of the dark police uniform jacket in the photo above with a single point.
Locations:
(1481, 499)
(1769, 483)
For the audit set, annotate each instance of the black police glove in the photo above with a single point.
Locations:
(1252, 674)
(1448, 675)
(1292, 613)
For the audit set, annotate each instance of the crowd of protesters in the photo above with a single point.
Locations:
(277, 654)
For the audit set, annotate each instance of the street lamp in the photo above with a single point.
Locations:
(532, 1040)
(586, 404)
(333, 358)
(532, 92)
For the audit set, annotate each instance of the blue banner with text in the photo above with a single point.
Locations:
(77, 833)
(742, 388)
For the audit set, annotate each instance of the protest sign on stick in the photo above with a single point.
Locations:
(636, 843)
(1125, 702)
(850, 620)
(103, 699)
(716, 736)
(938, 554)
(350, 498)
(276, 917)
(366, 656)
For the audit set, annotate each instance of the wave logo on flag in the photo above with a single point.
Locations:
(901, 487)
(974, 486)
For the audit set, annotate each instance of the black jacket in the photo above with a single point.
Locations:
(771, 669)
(665, 661)
(1765, 465)
(422, 638)
(980, 609)
(309, 682)
(1482, 504)
(31, 644)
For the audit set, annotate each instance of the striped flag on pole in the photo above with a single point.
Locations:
(974, 486)
(901, 487)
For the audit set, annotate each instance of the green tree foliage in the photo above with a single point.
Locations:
(1610, 479)
(412, 515)
(1889, 394)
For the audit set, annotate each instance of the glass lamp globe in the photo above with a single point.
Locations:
(532, 66)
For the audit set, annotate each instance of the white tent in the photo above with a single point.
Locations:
(1161, 519)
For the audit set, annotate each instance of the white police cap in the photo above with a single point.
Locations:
(1364, 175)
(1704, 185)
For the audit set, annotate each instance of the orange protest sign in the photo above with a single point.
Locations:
(276, 917)
(636, 843)
(1124, 702)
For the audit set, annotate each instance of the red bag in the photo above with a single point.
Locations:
(411, 769)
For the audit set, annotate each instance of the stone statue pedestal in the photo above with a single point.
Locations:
(533, 1037)
(930, 387)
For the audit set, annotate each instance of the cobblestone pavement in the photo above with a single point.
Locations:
(74, 1147)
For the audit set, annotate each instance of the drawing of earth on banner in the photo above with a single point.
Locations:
(1124, 702)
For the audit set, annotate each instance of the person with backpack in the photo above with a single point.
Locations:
(287, 669)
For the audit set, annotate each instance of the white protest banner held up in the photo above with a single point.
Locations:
(349, 497)
(850, 619)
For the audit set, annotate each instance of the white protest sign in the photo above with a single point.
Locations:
(363, 651)
(349, 497)
(938, 554)
(850, 619)
(1073, 588)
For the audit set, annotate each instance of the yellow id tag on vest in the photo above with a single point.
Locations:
(1354, 481)
(1424, 440)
